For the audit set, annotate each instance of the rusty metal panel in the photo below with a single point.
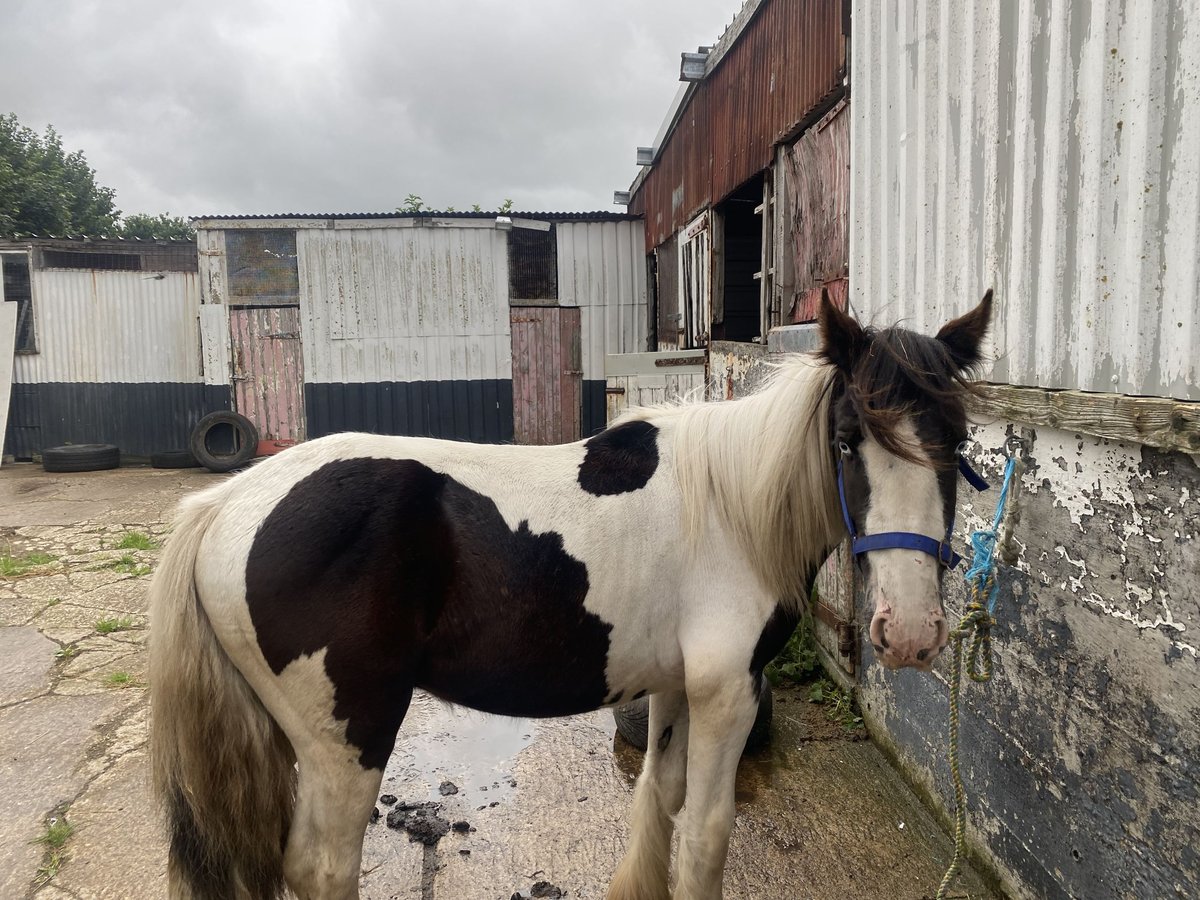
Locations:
(783, 67)
(1047, 150)
(667, 269)
(816, 199)
(268, 376)
(113, 327)
(547, 375)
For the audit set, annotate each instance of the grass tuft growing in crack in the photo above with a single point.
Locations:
(54, 844)
(108, 626)
(66, 652)
(136, 540)
(19, 565)
(127, 565)
(119, 679)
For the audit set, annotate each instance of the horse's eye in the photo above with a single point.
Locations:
(961, 448)
(844, 449)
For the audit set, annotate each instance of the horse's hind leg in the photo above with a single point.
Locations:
(642, 874)
(335, 796)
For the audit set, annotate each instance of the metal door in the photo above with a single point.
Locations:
(268, 378)
(547, 375)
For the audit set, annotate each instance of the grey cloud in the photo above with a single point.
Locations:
(272, 107)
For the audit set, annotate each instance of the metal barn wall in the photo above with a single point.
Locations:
(780, 62)
(406, 330)
(118, 362)
(602, 270)
(128, 327)
(1051, 150)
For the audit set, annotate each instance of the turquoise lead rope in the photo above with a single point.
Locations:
(976, 625)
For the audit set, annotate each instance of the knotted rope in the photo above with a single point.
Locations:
(976, 625)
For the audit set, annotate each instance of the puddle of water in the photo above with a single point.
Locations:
(440, 742)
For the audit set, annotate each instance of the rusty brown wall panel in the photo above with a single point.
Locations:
(787, 63)
(816, 182)
(267, 370)
(547, 375)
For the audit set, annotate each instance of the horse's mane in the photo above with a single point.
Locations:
(762, 465)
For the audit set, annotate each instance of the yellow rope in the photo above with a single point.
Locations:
(977, 625)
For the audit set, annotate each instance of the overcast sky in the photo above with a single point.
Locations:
(266, 106)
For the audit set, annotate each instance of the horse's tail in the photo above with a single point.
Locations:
(222, 768)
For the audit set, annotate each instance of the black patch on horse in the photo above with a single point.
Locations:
(774, 636)
(620, 460)
(409, 579)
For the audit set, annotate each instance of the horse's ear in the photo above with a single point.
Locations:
(841, 337)
(964, 336)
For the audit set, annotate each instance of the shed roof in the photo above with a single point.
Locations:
(208, 221)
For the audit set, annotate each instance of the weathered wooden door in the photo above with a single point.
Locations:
(643, 379)
(547, 374)
(268, 378)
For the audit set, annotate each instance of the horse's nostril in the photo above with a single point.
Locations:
(922, 654)
(883, 638)
(878, 649)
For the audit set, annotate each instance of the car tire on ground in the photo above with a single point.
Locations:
(633, 721)
(174, 459)
(81, 458)
(243, 447)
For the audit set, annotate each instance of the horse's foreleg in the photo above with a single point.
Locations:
(642, 874)
(722, 710)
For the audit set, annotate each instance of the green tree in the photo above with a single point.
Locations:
(46, 191)
(163, 227)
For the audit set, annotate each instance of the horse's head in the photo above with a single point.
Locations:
(898, 426)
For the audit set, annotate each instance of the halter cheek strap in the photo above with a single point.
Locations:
(907, 540)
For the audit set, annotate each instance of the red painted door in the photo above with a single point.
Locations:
(547, 375)
(268, 378)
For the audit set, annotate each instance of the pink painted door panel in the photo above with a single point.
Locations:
(547, 375)
(268, 378)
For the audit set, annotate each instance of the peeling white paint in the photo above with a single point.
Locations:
(1098, 483)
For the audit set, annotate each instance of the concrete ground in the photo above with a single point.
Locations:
(820, 813)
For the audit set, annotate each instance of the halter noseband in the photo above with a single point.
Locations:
(907, 540)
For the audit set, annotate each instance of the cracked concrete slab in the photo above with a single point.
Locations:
(42, 743)
(25, 661)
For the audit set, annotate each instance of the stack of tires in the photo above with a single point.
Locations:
(220, 442)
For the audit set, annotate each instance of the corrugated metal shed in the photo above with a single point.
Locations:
(126, 327)
(1051, 150)
(782, 62)
(602, 270)
(404, 304)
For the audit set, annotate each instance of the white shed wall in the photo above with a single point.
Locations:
(404, 304)
(113, 327)
(1051, 150)
(602, 270)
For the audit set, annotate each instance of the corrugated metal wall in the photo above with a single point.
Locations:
(602, 270)
(404, 304)
(104, 327)
(786, 62)
(1051, 150)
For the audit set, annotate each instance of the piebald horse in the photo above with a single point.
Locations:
(300, 603)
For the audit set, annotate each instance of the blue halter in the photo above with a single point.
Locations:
(907, 540)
